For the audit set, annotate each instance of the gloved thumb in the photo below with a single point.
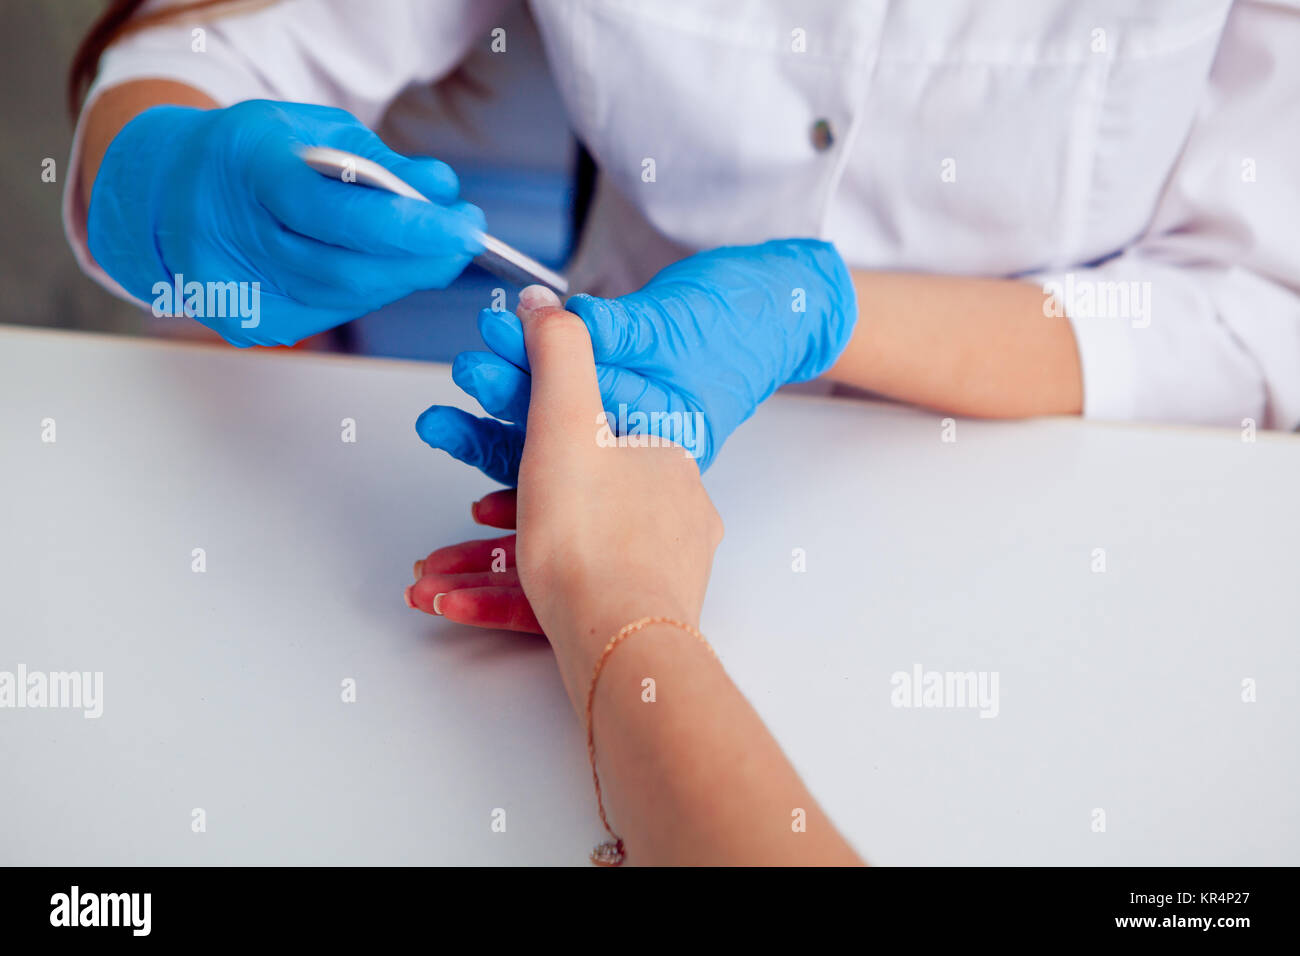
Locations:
(619, 334)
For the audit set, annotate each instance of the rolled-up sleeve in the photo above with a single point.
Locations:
(1208, 328)
(357, 56)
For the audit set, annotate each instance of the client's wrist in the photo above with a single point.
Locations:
(581, 638)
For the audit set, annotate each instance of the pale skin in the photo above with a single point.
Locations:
(965, 346)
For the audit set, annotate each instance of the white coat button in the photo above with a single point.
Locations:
(823, 137)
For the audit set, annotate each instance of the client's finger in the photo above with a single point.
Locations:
(426, 589)
(503, 608)
(486, 554)
(496, 510)
(565, 399)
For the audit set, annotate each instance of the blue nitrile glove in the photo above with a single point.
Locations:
(220, 196)
(706, 341)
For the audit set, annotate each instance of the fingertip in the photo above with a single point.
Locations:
(473, 372)
(457, 228)
(534, 298)
(461, 366)
(473, 224)
(498, 509)
(615, 326)
(503, 333)
(439, 181)
(593, 312)
(431, 178)
(581, 304)
(423, 420)
(489, 320)
(476, 215)
(488, 444)
(436, 427)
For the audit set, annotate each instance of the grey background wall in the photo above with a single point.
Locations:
(40, 283)
(511, 147)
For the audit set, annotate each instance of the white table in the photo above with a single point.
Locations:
(1119, 690)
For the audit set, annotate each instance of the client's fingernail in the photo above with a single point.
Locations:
(437, 602)
(473, 510)
(418, 569)
(536, 297)
(406, 596)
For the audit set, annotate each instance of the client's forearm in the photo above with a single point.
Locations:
(693, 776)
(979, 347)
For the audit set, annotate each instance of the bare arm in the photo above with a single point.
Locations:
(695, 777)
(979, 347)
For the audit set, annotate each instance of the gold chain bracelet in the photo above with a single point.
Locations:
(610, 853)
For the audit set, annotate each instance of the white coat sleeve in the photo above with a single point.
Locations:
(355, 55)
(1221, 342)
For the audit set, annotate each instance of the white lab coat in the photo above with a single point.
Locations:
(1138, 154)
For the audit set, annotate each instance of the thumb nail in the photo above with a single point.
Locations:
(536, 297)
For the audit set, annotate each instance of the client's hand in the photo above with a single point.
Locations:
(606, 534)
(609, 534)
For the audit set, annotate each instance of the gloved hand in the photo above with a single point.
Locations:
(220, 196)
(708, 338)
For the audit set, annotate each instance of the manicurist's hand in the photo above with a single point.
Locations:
(688, 357)
(606, 533)
(219, 196)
